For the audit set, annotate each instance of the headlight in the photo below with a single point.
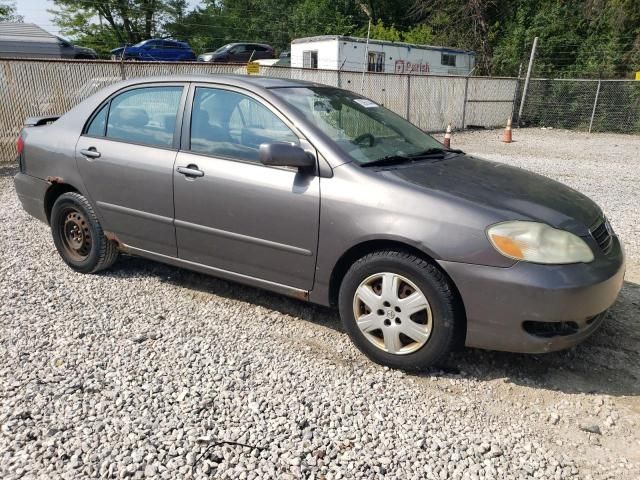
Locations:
(538, 243)
(206, 58)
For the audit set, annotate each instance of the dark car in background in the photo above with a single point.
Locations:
(69, 50)
(158, 50)
(239, 53)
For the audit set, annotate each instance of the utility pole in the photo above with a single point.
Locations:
(366, 55)
(526, 82)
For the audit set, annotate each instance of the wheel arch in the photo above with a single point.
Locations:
(52, 194)
(361, 249)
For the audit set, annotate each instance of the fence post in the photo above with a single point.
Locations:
(464, 103)
(595, 104)
(526, 82)
(515, 95)
(408, 113)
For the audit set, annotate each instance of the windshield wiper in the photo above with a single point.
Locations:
(399, 159)
(434, 151)
(388, 160)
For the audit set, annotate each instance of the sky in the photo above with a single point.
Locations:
(35, 11)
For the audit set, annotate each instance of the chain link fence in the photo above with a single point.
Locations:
(38, 88)
(51, 87)
(590, 105)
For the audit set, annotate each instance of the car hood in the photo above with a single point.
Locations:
(515, 193)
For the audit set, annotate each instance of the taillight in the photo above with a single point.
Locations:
(20, 149)
(20, 145)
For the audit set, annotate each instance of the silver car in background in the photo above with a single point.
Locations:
(323, 195)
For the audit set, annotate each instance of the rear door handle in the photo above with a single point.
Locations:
(90, 152)
(190, 171)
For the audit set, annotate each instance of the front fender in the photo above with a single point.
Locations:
(360, 206)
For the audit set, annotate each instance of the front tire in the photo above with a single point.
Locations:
(399, 310)
(78, 235)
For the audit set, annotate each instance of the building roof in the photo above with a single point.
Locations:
(25, 32)
(326, 38)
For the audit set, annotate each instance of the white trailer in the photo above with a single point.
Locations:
(335, 52)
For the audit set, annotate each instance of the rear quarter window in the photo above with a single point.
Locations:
(99, 122)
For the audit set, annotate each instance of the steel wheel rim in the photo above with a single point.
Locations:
(75, 234)
(392, 313)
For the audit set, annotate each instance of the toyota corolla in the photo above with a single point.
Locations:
(318, 193)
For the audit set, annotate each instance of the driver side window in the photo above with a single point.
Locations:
(230, 124)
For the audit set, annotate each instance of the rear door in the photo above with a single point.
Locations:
(237, 214)
(154, 50)
(261, 52)
(240, 54)
(126, 156)
(173, 51)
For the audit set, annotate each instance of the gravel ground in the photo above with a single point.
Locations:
(142, 370)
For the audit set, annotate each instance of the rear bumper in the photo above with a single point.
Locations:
(31, 192)
(498, 301)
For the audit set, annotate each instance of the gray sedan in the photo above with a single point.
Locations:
(323, 195)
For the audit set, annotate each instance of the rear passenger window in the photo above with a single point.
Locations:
(231, 124)
(145, 115)
(96, 127)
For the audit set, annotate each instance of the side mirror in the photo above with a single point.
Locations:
(286, 155)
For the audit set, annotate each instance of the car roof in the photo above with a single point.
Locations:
(250, 43)
(173, 40)
(233, 80)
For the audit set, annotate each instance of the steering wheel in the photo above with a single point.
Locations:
(364, 136)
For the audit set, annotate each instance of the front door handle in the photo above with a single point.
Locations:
(190, 171)
(90, 152)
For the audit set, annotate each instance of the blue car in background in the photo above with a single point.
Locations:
(155, 50)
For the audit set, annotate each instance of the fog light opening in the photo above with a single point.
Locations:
(550, 329)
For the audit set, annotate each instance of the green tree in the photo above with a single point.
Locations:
(118, 21)
(8, 12)
(577, 37)
(380, 32)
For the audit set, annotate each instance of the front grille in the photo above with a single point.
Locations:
(602, 233)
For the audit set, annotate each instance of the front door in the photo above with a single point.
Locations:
(126, 157)
(232, 212)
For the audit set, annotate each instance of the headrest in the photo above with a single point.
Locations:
(132, 117)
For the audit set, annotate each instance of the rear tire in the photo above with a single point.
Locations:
(78, 235)
(399, 310)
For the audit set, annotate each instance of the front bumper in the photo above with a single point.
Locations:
(498, 301)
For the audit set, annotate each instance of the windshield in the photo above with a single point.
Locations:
(140, 44)
(223, 48)
(364, 130)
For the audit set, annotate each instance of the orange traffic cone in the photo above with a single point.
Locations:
(507, 136)
(447, 136)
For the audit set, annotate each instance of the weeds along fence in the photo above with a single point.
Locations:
(51, 87)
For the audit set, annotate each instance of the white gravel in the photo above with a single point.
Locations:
(137, 371)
